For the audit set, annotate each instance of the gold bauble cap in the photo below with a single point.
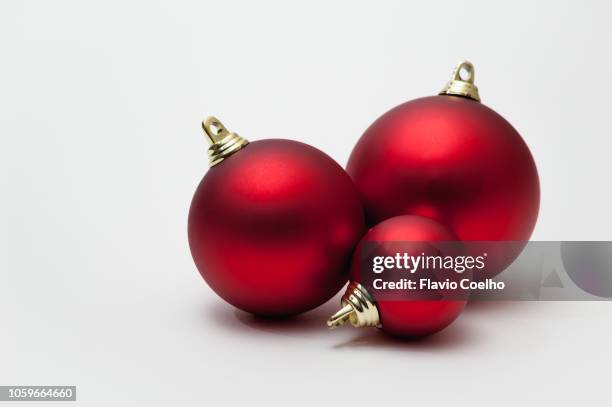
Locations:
(222, 142)
(462, 82)
(358, 308)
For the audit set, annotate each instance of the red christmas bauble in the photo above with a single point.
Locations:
(405, 314)
(452, 159)
(272, 226)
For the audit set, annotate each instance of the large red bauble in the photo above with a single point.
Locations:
(273, 226)
(410, 317)
(451, 159)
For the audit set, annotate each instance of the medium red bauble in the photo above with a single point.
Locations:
(273, 223)
(452, 159)
(402, 313)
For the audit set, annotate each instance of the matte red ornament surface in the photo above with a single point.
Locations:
(272, 227)
(409, 317)
(451, 159)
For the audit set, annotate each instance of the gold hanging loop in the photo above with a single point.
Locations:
(462, 85)
(358, 308)
(222, 142)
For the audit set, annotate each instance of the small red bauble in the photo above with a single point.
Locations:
(406, 315)
(273, 223)
(452, 159)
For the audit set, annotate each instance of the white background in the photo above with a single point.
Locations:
(101, 150)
